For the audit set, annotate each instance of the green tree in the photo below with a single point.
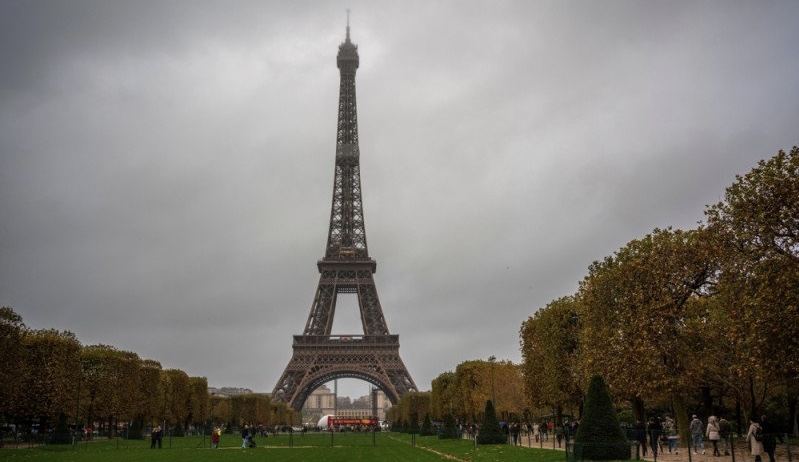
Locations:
(427, 426)
(599, 436)
(490, 431)
(450, 430)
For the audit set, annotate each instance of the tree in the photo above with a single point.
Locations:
(175, 398)
(757, 227)
(50, 359)
(147, 382)
(639, 325)
(473, 388)
(442, 395)
(12, 329)
(599, 435)
(410, 406)
(427, 426)
(198, 402)
(549, 345)
(490, 431)
(450, 430)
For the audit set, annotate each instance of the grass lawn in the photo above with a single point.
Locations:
(354, 447)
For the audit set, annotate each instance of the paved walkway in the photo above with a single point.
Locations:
(741, 452)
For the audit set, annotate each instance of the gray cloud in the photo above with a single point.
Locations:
(166, 167)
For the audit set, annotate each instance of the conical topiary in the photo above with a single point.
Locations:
(427, 426)
(61, 434)
(450, 430)
(599, 436)
(490, 432)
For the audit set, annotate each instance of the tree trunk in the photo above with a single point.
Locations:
(638, 409)
(683, 423)
(753, 400)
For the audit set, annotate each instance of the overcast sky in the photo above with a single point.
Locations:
(166, 167)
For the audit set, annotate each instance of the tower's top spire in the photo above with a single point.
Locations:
(348, 26)
(347, 52)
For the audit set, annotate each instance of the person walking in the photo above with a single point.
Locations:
(713, 433)
(670, 430)
(769, 439)
(753, 437)
(654, 429)
(726, 432)
(640, 436)
(245, 435)
(697, 431)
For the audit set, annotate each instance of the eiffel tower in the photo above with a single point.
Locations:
(346, 268)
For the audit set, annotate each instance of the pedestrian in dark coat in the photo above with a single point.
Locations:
(770, 437)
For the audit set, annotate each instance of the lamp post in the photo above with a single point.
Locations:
(491, 360)
(77, 408)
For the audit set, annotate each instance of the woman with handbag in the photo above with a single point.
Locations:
(713, 433)
(753, 437)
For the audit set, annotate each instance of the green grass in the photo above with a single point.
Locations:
(354, 447)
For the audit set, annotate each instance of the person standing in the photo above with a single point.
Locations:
(153, 437)
(697, 431)
(713, 433)
(245, 435)
(754, 440)
(215, 438)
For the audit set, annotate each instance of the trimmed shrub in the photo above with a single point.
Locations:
(61, 435)
(427, 426)
(490, 431)
(599, 436)
(450, 430)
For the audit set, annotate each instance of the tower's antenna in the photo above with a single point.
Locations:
(348, 25)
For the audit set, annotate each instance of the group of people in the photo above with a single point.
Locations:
(761, 437)
(542, 430)
(156, 436)
(652, 434)
(654, 431)
(248, 436)
(717, 430)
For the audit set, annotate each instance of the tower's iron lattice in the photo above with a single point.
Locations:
(320, 357)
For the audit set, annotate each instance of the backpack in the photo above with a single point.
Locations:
(758, 434)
